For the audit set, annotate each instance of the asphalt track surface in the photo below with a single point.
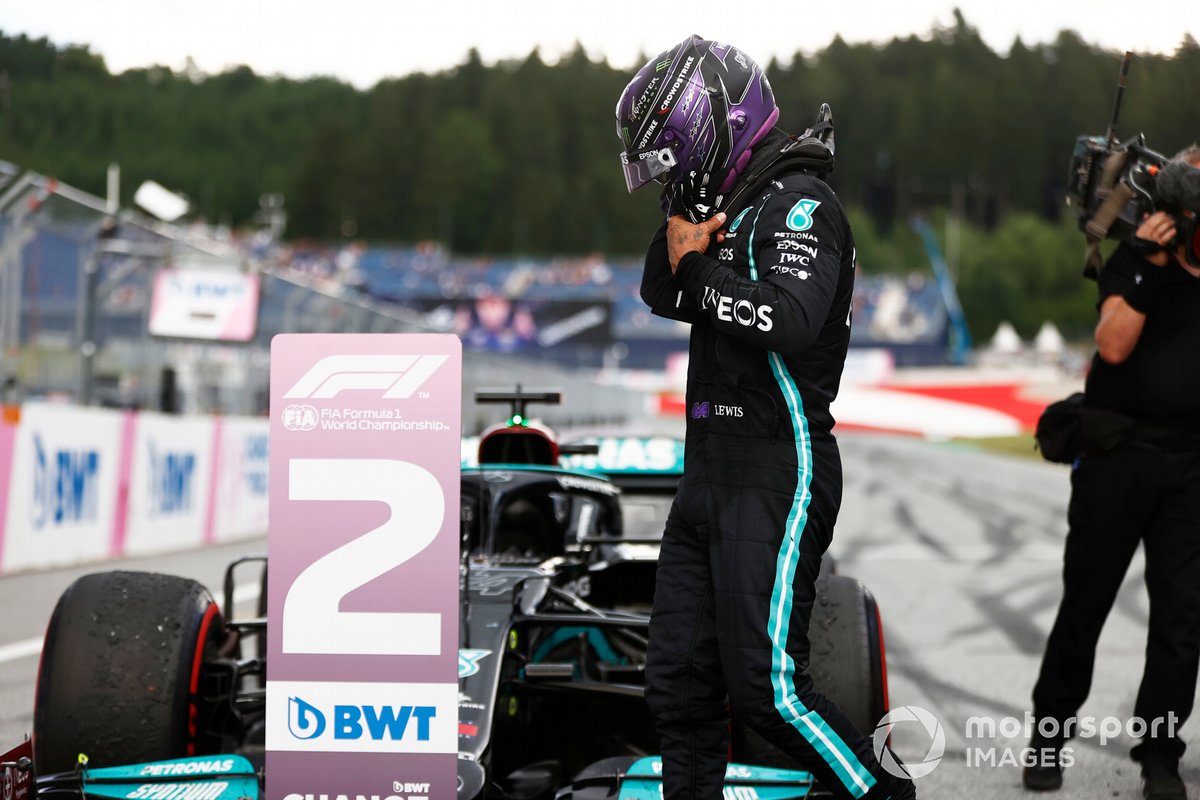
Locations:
(961, 548)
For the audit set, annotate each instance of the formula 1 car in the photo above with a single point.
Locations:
(557, 554)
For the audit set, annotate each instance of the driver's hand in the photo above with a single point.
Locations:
(683, 237)
(1159, 228)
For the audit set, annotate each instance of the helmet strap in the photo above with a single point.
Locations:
(744, 159)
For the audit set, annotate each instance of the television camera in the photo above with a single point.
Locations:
(1112, 185)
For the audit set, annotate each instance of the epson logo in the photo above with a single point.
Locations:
(64, 485)
(666, 103)
(397, 376)
(352, 722)
(792, 244)
(743, 312)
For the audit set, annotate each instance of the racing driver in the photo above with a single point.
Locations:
(757, 255)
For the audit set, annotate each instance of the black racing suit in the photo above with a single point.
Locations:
(769, 309)
(1144, 490)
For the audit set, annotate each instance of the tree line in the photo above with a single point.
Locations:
(521, 156)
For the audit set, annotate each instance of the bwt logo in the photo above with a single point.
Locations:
(171, 481)
(397, 376)
(306, 721)
(64, 485)
(201, 290)
(254, 454)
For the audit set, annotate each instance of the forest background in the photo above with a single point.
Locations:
(520, 157)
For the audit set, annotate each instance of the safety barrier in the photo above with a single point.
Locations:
(85, 484)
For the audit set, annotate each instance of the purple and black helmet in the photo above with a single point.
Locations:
(688, 120)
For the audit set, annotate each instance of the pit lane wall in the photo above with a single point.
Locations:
(84, 484)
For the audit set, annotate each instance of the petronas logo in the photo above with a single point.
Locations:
(660, 66)
(800, 217)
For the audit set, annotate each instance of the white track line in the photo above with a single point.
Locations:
(32, 647)
(19, 650)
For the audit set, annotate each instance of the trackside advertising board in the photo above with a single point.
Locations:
(62, 495)
(205, 303)
(362, 683)
(170, 483)
(241, 479)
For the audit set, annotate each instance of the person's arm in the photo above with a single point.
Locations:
(796, 241)
(1119, 329)
(1129, 296)
(661, 290)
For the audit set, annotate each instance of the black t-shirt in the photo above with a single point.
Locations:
(1159, 383)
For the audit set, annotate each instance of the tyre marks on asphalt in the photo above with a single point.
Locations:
(963, 550)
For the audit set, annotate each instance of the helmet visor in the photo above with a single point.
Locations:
(643, 166)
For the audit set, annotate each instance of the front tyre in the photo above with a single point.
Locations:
(846, 661)
(119, 678)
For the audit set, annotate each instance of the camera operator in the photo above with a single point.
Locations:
(1146, 488)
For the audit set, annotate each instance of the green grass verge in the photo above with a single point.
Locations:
(1012, 445)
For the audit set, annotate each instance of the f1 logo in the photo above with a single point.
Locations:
(399, 376)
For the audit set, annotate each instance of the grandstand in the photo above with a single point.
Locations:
(577, 311)
(503, 303)
(77, 305)
(571, 312)
(904, 315)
